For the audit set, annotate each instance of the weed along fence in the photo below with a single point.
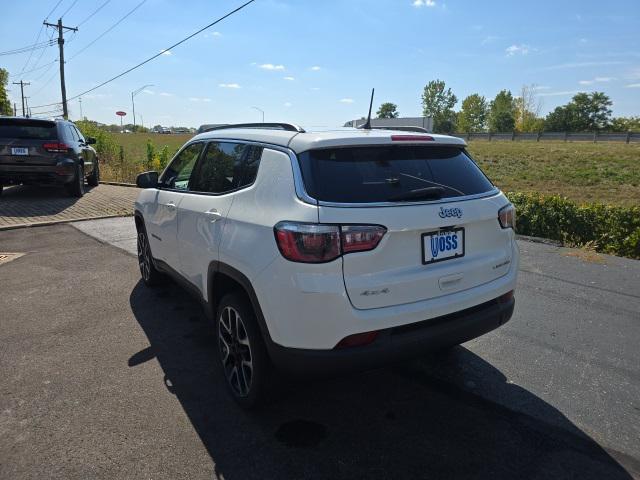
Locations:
(625, 137)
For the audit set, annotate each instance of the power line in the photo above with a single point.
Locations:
(154, 56)
(70, 7)
(106, 31)
(94, 12)
(42, 51)
(35, 46)
(39, 68)
(38, 38)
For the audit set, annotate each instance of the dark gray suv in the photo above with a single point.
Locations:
(34, 151)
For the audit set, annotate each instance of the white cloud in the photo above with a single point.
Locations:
(537, 88)
(633, 85)
(316, 68)
(166, 94)
(596, 80)
(149, 92)
(287, 104)
(559, 94)
(424, 3)
(521, 49)
(229, 85)
(346, 100)
(216, 34)
(291, 79)
(563, 66)
(271, 66)
(166, 52)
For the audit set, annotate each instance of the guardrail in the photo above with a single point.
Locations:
(626, 137)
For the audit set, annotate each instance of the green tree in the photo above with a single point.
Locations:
(502, 111)
(388, 110)
(561, 119)
(585, 112)
(5, 104)
(592, 110)
(438, 103)
(473, 115)
(625, 124)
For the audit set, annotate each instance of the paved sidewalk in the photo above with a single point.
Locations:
(25, 206)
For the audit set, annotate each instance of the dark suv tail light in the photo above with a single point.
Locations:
(56, 147)
(320, 243)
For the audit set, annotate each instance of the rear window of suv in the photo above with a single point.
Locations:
(382, 173)
(34, 129)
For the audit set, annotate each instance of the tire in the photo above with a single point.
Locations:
(76, 187)
(242, 352)
(151, 276)
(94, 178)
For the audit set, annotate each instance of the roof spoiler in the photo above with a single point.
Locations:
(289, 127)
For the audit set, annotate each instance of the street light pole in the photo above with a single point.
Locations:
(261, 111)
(133, 104)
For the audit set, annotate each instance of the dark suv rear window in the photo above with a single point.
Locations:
(36, 129)
(380, 174)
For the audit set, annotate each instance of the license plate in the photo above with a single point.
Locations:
(442, 245)
(19, 151)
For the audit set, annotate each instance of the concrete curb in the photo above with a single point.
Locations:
(56, 222)
(119, 184)
(546, 241)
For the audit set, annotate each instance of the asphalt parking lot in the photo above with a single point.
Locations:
(105, 378)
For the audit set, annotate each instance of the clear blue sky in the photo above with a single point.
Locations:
(314, 62)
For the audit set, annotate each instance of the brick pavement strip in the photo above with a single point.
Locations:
(26, 206)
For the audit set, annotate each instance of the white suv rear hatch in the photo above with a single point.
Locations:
(440, 212)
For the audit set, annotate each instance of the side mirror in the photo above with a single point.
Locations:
(90, 140)
(147, 180)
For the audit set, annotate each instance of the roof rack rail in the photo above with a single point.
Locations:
(282, 126)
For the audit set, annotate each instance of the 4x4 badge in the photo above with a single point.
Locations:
(450, 212)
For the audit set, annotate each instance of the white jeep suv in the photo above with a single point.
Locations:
(317, 251)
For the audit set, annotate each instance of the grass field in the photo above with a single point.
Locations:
(582, 171)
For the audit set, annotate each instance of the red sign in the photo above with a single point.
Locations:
(120, 113)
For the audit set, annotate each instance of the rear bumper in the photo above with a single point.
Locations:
(397, 343)
(38, 174)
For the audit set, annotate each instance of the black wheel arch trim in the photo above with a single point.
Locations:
(216, 267)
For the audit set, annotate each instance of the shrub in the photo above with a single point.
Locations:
(106, 145)
(608, 229)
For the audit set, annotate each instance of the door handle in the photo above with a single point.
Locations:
(213, 214)
(170, 206)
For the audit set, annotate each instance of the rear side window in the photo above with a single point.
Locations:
(71, 132)
(381, 174)
(28, 129)
(225, 167)
(178, 173)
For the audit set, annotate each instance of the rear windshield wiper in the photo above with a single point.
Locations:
(431, 193)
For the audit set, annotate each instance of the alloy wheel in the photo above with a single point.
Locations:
(235, 351)
(144, 260)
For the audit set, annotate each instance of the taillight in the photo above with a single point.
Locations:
(411, 138)
(319, 243)
(507, 216)
(56, 147)
(360, 238)
(308, 243)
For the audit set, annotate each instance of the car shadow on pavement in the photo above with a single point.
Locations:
(36, 200)
(412, 420)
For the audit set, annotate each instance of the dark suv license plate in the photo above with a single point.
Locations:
(19, 151)
(442, 245)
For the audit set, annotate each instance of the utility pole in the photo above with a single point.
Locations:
(22, 84)
(26, 102)
(15, 110)
(63, 88)
(80, 102)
